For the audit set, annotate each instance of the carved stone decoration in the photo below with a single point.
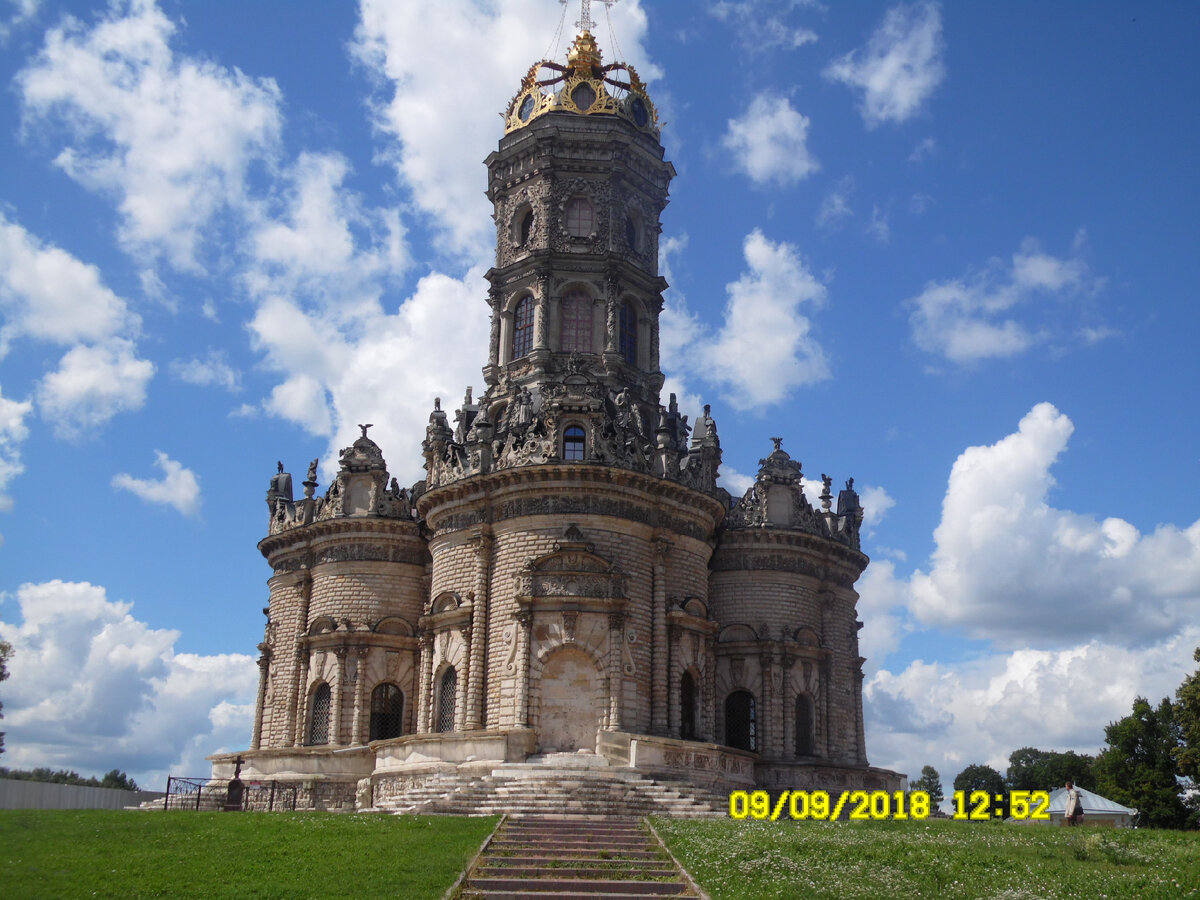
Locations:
(569, 619)
(737, 666)
(509, 637)
(628, 666)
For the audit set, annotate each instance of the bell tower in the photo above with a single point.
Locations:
(577, 184)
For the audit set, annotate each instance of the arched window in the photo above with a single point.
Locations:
(318, 725)
(741, 727)
(628, 333)
(446, 694)
(580, 217)
(387, 712)
(804, 725)
(522, 342)
(576, 322)
(573, 444)
(525, 229)
(687, 707)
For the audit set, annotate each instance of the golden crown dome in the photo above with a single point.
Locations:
(584, 86)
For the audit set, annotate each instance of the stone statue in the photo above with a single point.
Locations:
(312, 471)
(365, 427)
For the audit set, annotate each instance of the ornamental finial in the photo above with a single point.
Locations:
(585, 12)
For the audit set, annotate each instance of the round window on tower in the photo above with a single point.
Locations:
(583, 97)
(526, 109)
(641, 115)
(580, 217)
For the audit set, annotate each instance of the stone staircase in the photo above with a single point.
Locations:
(546, 858)
(559, 784)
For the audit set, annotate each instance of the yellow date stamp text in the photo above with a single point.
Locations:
(868, 805)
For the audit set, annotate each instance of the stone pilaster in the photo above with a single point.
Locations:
(300, 694)
(460, 691)
(674, 716)
(708, 697)
(525, 642)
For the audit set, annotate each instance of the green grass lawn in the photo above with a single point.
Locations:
(936, 858)
(101, 853)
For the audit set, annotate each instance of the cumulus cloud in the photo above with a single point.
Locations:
(835, 206)
(762, 25)
(769, 144)
(403, 46)
(178, 487)
(899, 68)
(94, 688)
(170, 139)
(994, 313)
(93, 384)
(764, 349)
(1010, 567)
(47, 294)
(213, 369)
(13, 433)
(953, 714)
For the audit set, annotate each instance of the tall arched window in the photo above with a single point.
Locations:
(687, 707)
(387, 712)
(804, 725)
(628, 333)
(522, 342)
(318, 725)
(741, 726)
(525, 229)
(446, 695)
(573, 444)
(576, 322)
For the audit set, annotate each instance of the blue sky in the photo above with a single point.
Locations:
(947, 250)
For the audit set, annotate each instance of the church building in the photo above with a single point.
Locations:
(568, 586)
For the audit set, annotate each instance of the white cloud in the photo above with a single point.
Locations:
(900, 66)
(213, 369)
(878, 227)
(976, 317)
(91, 385)
(13, 433)
(768, 143)
(951, 715)
(171, 139)
(835, 206)
(178, 487)
(764, 349)
(24, 12)
(876, 502)
(47, 294)
(760, 24)
(1010, 567)
(93, 689)
(433, 141)
(734, 481)
(923, 150)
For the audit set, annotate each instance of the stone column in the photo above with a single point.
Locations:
(460, 691)
(826, 718)
(658, 640)
(541, 322)
(264, 669)
(338, 691)
(616, 678)
(861, 740)
(479, 616)
(767, 715)
(674, 719)
(296, 695)
(300, 693)
(524, 643)
(360, 681)
(787, 703)
(612, 308)
(425, 690)
(495, 300)
(708, 696)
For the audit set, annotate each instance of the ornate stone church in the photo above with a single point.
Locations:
(568, 586)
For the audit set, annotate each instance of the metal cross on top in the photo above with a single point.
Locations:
(585, 13)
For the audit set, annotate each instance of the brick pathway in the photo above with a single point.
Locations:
(545, 858)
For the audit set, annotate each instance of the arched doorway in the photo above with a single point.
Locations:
(570, 702)
(741, 721)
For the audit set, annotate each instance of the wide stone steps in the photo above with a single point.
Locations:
(528, 790)
(547, 858)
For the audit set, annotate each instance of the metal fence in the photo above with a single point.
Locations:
(197, 794)
(20, 794)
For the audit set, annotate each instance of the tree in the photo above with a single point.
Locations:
(1030, 769)
(1138, 766)
(1187, 713)
(119, 780)
(930, 782)
(983, 778)
(5, 653)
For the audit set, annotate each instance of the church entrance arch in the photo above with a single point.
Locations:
(571, 702)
